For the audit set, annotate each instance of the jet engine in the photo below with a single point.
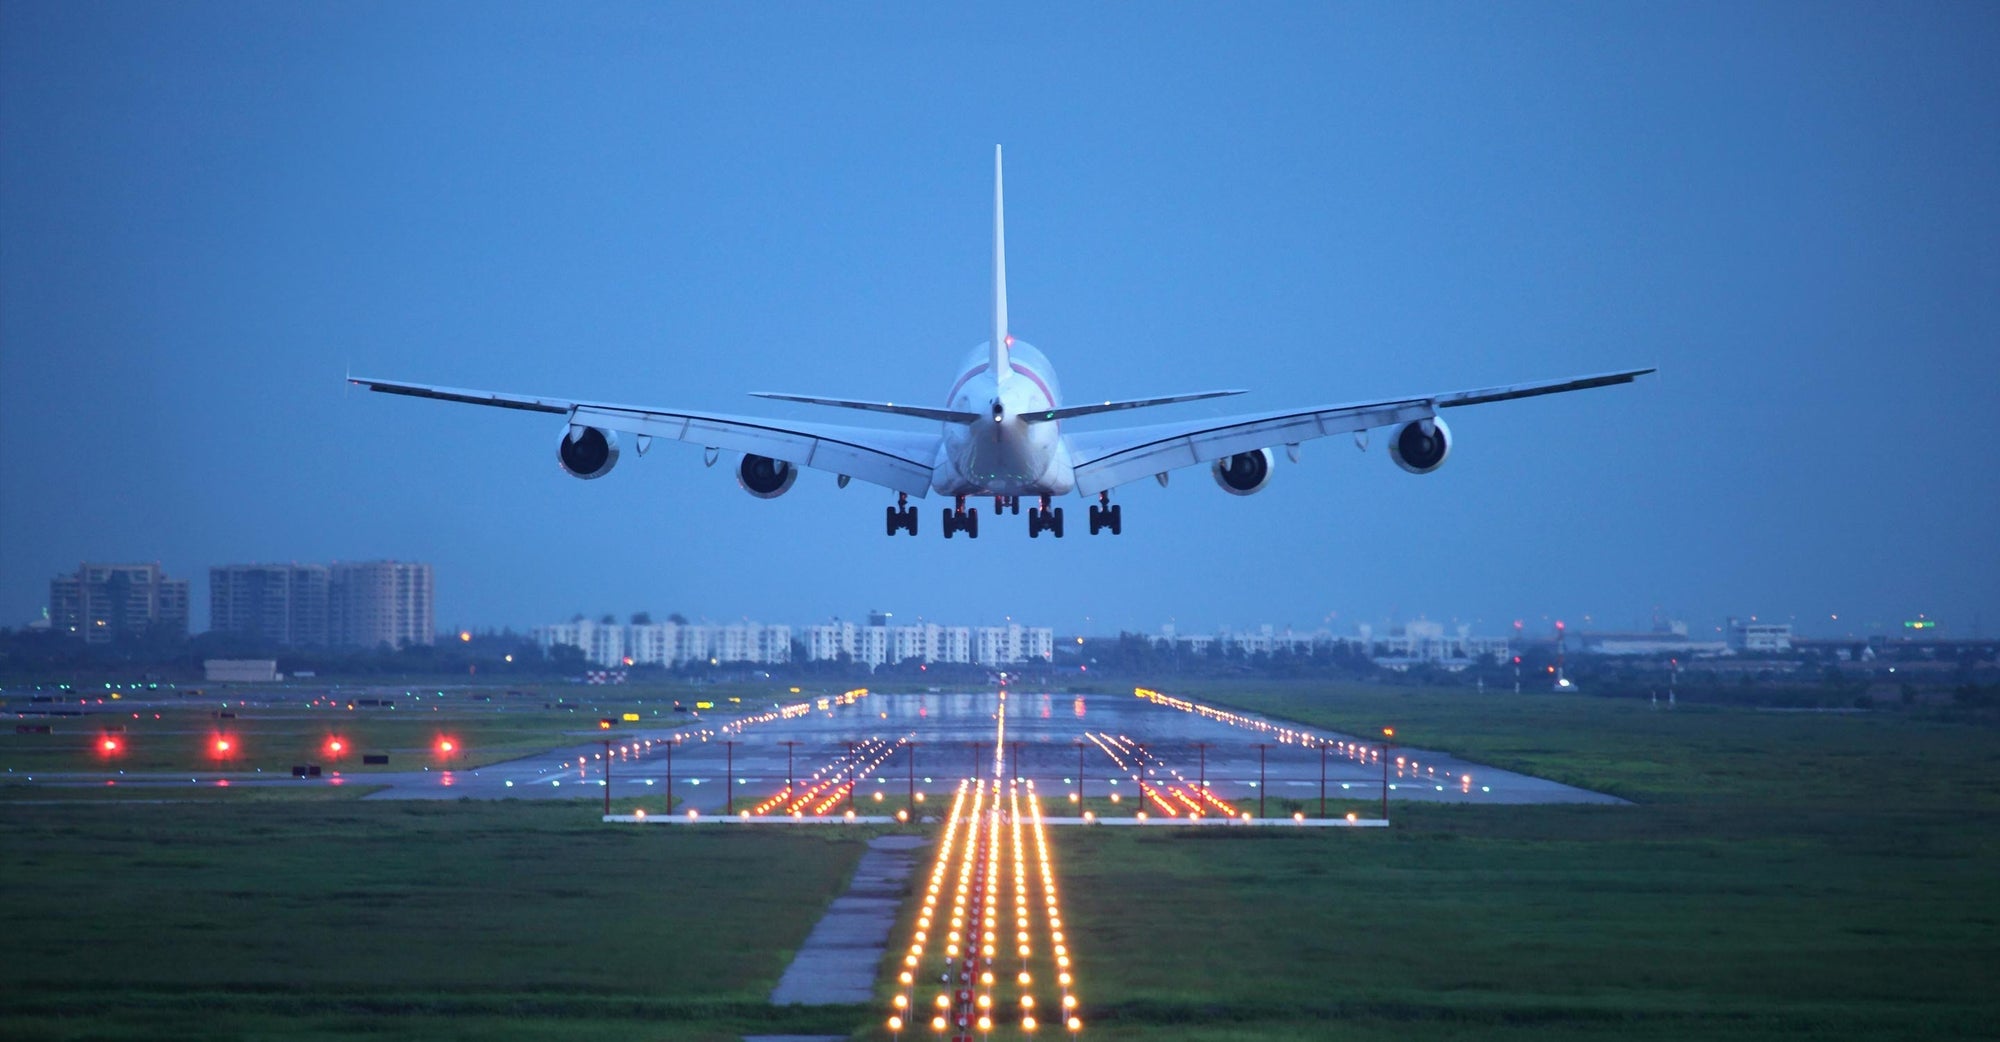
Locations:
(588, 452)
(764, 477)
(1419, 452)
(1244, 473)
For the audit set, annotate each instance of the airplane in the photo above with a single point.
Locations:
(1001, 433)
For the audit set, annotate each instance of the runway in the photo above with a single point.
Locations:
(925, 743)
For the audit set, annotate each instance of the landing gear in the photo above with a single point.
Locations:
(1043, 519)
(960, 519)
(1104, 515)
(902, 516)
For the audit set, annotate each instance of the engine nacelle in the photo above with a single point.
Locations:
(764, 477)
(588, 452)
(1418, 452)
(1244, 473)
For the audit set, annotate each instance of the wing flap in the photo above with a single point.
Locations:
(918, 411)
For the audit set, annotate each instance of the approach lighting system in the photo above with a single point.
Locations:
(336, 746)
(110, 745)
(446, 746)
(222, 747)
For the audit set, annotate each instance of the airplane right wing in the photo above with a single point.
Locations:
(1105, 459)
(899, 460)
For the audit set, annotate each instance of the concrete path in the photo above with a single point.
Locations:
(837, 964)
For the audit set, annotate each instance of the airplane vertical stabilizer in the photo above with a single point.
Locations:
(999, 367)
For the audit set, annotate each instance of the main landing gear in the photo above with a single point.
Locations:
(1104, 515)
(1043, 519)
(902, 516)
(960, 519)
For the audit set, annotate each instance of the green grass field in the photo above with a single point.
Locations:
(1782, 876)
(263, 919)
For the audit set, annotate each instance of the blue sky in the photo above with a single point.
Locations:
(210, 212)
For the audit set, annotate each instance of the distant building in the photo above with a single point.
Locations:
(239, 670)
(1667, 637)
(669, 643)
(1754, 636)
(372, 603)
(1013, 643)
(283, 604)
(103, 603)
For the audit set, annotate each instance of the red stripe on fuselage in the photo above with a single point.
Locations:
(952, 396)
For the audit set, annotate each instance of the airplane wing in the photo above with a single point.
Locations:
(1105, 459)
(900, 460)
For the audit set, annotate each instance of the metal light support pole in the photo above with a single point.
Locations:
(729, 781)
(853, 776)
(607, 776)
(1261, 786)
(671, 742)
(1079, 777)
(1203, 746)
(912, 805)
(788, 767)
(975, 762)
(1322, 778)
(1017, 759)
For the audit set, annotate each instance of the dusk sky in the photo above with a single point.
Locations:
(209, 213)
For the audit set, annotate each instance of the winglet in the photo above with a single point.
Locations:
(999, 366)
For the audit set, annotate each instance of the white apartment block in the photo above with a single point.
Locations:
(668, 643)
(672, 644)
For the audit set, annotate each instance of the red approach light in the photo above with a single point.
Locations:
(446, 746)
(222, 747)
(335, 746)
(110, 745)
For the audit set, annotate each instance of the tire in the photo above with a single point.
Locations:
(1057, 522)
(1115, 518)
(947, 523)
(972, 522)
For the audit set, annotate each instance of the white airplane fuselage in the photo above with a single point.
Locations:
(1002, 454)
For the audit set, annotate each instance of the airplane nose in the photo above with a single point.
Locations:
(999, 411)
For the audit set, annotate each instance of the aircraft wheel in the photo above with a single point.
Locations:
(1056, 525)
(972, 523)
(946, 521)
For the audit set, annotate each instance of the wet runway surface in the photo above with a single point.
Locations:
(926, 743)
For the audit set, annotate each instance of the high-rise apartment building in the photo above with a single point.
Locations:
(102, 603)
(284, 604)
(371, 603)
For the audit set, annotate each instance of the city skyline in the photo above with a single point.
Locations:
(1851, 624)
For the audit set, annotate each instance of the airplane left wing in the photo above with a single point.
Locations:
(899, 460)
(1105, 459)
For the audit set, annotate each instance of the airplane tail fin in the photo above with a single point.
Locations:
(999, 365)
